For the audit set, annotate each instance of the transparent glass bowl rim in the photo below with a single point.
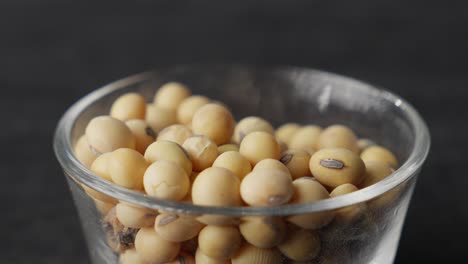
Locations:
(72, 167)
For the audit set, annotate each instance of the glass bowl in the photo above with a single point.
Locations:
(280, 95)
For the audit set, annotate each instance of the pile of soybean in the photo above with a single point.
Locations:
(188, 148)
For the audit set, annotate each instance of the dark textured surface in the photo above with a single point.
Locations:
(53, 52)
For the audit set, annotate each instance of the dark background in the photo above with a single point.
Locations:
(54, 52)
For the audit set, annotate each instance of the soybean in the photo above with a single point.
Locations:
(100, 166)
(83, 152)
(130, 256)
(336, 166)
(177, 228)
(308, 190)
(263, 231)
(202, 151)
(251, 124)
(171, 95)
(119, 237)
(169, 151)
(266, 187)
(129, 106)
(375, 172)
(306, 137)
(297, 162)
(153, 248)
(349, 213)
(214, 121)
(183, 259)
(338, 136)
(127, 167)
(364, 143)
(378, 153)
(250, 254)
(201, 258)
(166, 180)
(143, 133)
(219, 242)
(272, 164)
(301, 245)
(159, 118)
(176, 133)
(133, 216)
(235, 162)
(228, 147)
(103, 207)
(106, 134)
(286, 132)
(216, 187)
(189, 106)
(259, 145)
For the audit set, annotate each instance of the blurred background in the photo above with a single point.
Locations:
(54, 52)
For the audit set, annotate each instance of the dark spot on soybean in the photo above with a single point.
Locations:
(127, 236)
(332, 164)
(150, 132)
(286, 158)
(182, 260)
